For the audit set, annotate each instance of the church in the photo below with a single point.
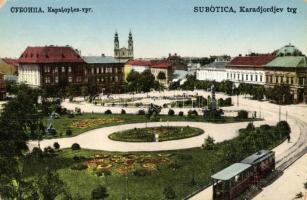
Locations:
(123, 54)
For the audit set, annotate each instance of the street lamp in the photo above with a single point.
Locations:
(236, 86)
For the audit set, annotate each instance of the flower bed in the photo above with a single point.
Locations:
(148, 134)
(87, 123)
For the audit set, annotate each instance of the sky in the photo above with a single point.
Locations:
(159, 27)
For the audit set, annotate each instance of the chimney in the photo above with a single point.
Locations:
(102, 55)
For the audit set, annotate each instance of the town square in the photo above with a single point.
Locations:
(109, 110)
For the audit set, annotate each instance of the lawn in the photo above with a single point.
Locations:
(149, 134)
(150, 172)
(88, 121)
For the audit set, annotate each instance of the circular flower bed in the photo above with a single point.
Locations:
(150, 134)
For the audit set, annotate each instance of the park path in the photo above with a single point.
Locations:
(286, 153)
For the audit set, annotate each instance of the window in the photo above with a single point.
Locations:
(116, 78)
(55, 69)
(56, 79)
(251, 77)
(47, 80)
(246, 77)
(260, 78)
(47, 69)
(85, 72)
(69, 69)
(93, 70)
(97, 70)
(256, 78)
(85, 80)
(97, 80)
(70, 79)
(63, 69)
(116, 70)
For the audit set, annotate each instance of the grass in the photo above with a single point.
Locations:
(88, 121)
(182, 166)
(148, 134)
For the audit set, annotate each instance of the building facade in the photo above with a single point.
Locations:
(63, 66)
(105, 73)
(51, 66)
(289, 70)
(248, 69)
(215, 71)
(123, 54)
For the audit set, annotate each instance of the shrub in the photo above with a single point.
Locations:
(68, 132)
(192, 113)
(165, 105)
(180, 113)
(37, 152)
(123, 112)
(141, 112)
(56, 146)
(185, 157)
(78, 110)
(99, 193)
(108, 112)
(75, 146)
(171, 112)
(283, 127)
(52, 131)
(250, 126)
(169, 193)
(242, 114)
(79, 167)
(209, 143)
(70, 115)
(141, 172)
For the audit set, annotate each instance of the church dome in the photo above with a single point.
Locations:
(289, 50)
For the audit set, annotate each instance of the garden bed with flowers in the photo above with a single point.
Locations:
(156, 134)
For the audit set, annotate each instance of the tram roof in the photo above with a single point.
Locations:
(257, 157)
(231, 171)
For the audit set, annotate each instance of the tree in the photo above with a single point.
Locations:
(161, 76)
(242, 114)
(99, 193)
(284, 128)
(50, 185)
(209, 143)
(84, 91)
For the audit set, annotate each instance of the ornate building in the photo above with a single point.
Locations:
(289, 68)
(123, 54)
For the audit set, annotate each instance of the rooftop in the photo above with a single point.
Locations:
(257, 157)
(253, 61)
(231, 171)
(50, 54)
(100, 59)
(289, 50)
(288, 61)
(139, 62)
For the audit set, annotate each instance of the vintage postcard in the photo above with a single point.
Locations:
(153, 99)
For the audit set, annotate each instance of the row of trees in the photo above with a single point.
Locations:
(280, 94)
(143, 82)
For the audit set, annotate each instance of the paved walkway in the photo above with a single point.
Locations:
(98, 138)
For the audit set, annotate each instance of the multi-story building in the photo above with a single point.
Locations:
(136, 65)
(2, 86)
(51, 66)
(123, 54)
(62, 66)
(290, 68)
(167, 66)
(105, 73)
(248, 69)
(215, 71)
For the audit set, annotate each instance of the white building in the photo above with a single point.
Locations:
(248, 69)
(215, 71)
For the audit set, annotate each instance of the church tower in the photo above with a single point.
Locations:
(130, 45)
(116, 45)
